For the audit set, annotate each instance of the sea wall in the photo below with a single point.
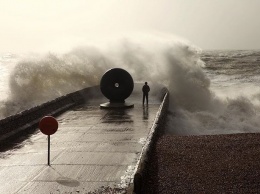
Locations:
(155, 131)
(21, 122)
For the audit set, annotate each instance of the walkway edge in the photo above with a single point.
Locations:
(156, 129)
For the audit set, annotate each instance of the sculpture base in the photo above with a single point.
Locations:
(113, 105)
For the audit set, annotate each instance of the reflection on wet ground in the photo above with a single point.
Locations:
(145, 112)
(16, 143)
(119, 114)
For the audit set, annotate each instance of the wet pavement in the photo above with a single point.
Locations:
(92, 148)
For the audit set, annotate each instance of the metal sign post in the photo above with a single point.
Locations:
(49, 149)
(48, 126)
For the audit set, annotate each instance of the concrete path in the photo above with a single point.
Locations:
(92, 148)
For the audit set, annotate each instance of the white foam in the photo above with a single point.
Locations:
(194, 107)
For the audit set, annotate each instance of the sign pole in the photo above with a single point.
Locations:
(49, 149)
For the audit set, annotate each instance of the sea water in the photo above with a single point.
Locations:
(232, 99)
(211, 92)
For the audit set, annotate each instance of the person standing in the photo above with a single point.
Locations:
(145, 90)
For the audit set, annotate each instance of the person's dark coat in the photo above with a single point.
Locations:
(146, 89)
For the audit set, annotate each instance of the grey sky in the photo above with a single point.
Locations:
(36, 25)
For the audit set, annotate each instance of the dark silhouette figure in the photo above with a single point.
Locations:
(145, 90)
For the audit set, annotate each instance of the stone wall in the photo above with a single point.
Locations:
(20, 122)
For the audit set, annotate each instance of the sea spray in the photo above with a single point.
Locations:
(34, 81)
(37, 80)
(194, 107)
(200, 111)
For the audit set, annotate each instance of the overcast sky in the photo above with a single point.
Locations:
(46, 25)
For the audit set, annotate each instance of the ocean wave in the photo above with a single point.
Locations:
(194, 106)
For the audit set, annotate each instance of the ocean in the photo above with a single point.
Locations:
(232, 100)
(211, 92)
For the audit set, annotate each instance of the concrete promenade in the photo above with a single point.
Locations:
(92, 148)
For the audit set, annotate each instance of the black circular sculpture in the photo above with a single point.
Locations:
(116, 85)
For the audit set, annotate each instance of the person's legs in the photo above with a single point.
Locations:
(146, 96)
(143, 97)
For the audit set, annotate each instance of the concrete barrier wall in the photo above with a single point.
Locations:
(15, 124)
(155, 132)
(20, 122)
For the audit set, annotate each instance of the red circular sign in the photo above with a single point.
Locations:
(48, 125)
